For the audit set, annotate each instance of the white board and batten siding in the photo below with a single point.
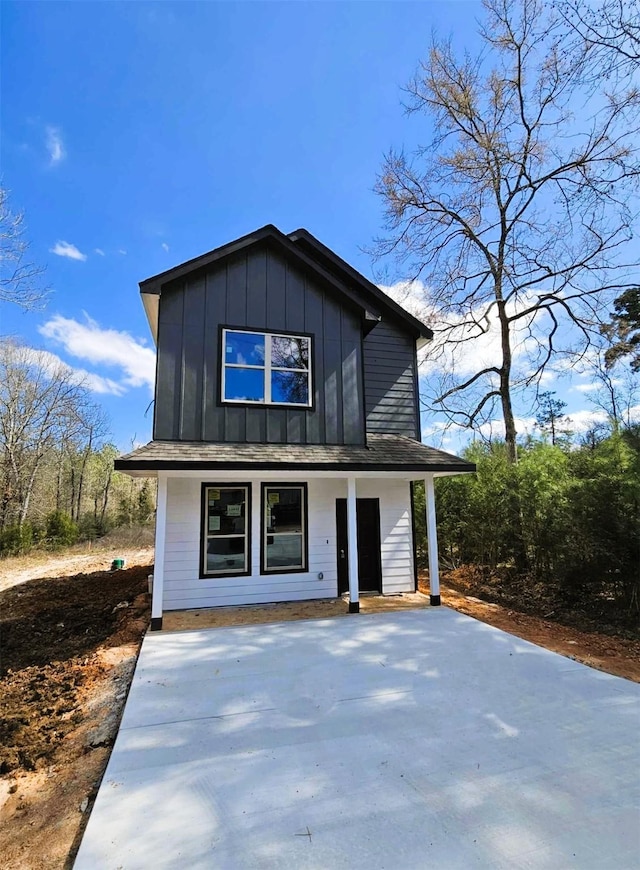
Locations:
(185, 589)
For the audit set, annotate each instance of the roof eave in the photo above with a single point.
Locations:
(424, 333)
(152, 287)
(213, 465)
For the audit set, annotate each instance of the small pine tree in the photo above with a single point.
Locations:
(61, 530)
(145, 506)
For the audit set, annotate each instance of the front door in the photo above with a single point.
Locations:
(368, 521)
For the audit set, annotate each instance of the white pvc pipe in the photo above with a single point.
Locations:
(432, 539)
(352, 537)
(158, 566)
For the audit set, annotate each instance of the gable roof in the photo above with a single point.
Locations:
(336, 265)
(310, 255)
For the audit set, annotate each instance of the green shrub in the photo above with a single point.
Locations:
(61, 530)
(15, 540)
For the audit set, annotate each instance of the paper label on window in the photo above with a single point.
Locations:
(214, 524)
(274, 498)
(234, 510)
(214, 495)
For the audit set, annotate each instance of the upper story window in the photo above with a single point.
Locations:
(266, 368)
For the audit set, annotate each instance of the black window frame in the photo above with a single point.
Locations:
(284, 333)
(291, 484)
(208, 575)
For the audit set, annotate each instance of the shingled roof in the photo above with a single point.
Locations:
(391, 453)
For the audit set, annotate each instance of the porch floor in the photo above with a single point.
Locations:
(320, 608)
(392, 740)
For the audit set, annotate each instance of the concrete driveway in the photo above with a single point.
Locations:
(420, 739)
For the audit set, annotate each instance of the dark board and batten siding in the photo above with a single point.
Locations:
(261, 290)
(390, 378)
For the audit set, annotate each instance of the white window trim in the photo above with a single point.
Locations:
(267, 368)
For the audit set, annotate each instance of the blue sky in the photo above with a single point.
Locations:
(138, 135)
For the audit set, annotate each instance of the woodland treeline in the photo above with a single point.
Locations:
(58, 484)
(560, 529)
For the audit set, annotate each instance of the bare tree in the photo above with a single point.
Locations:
(609, 29)
(92, 425)
(101, 482)
(20, 279)
(613, 386)
(39, 402)
(517, 214)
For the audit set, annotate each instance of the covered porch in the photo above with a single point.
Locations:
(354, 526)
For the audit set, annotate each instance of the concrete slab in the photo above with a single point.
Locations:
(399, 740)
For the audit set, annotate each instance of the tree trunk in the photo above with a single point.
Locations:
(505, 385)
(24, 510)
(6, 494)
(105, 496)
(59, 481)
(83, 468)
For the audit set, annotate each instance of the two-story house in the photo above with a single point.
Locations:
(286, 431)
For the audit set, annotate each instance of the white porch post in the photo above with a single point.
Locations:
(158, 567)
(352, 537)
(432, 540)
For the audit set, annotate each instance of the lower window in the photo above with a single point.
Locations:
(225, 530)
(284, 528)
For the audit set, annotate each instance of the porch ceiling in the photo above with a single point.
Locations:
(384, 455)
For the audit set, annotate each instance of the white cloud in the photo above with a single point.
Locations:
(467, 342)
(98, 251)
(165, 246)
(594, 385)
(54, 366)
(122, 251)
(66, 249)
(577, 422)
(457, 345)
(495, 428)
(55, 145)
(580, 421)
(109, 347)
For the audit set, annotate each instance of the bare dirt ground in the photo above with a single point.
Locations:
(68, 646)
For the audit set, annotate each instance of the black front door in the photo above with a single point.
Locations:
(368, 520)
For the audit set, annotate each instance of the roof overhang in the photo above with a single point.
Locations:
(151, 302)
(383, 456)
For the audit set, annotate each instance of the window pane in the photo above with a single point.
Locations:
(244, 385)
(283, 508)
(225, 511)
(284, 551)
(288, 352)
(244, 348)
(291, 387)
(226, 554)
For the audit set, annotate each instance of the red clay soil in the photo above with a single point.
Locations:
(68, 647)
